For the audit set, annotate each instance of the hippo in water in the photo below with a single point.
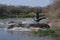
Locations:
(11, 26)
(41, 25)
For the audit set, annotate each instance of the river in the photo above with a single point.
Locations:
(17, 35)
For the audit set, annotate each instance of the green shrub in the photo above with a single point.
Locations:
(47, 32)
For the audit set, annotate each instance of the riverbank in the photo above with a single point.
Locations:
(53, 33)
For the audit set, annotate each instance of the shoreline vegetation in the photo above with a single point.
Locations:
(53, 33)
(11, 11)
(29, 15)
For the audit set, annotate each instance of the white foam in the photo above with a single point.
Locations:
(1, 23)
(18, 29)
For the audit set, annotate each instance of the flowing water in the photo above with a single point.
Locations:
(17, 35)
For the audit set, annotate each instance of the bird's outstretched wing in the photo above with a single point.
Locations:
(37, 20)
(42, 18)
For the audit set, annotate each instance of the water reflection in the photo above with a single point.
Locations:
(27, 36)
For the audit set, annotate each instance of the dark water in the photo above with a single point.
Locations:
(17, 35)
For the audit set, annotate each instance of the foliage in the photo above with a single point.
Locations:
(18, 11)
(47, 32)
